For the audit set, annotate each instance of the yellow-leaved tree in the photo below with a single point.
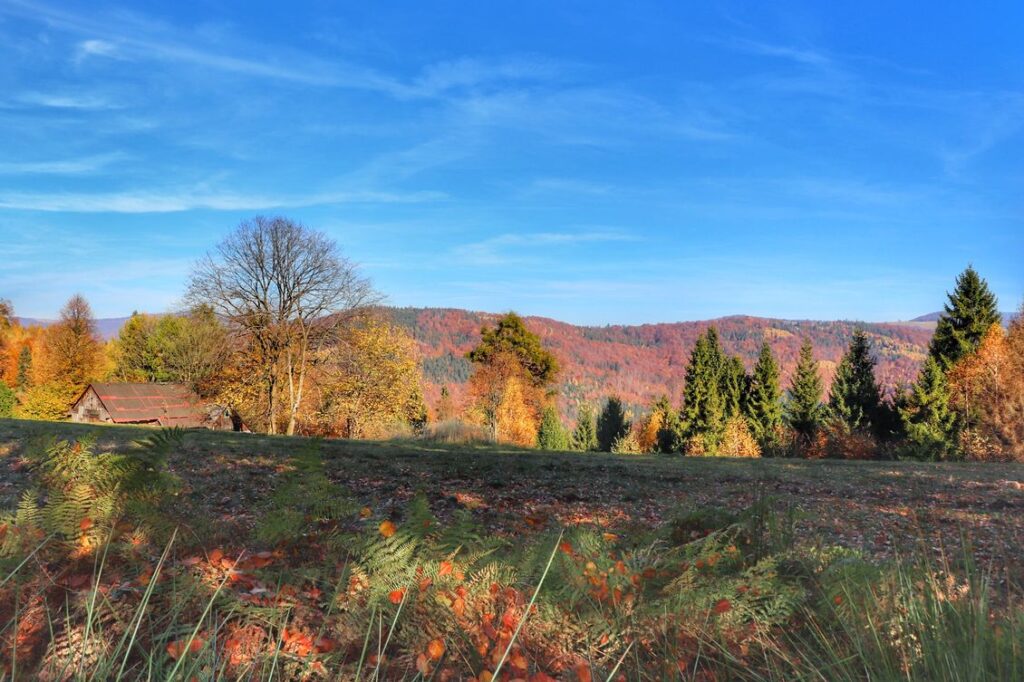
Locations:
(368, 384)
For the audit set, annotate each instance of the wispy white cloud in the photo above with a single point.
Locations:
(133, 37)
(177, 200)
(85, 164)
(521, 247)
(801, 55)
(54, 100)
(94, 48)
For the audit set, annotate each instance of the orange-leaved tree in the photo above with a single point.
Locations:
(987, 391)
(511, 380)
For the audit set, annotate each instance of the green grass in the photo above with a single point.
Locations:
(649, 567)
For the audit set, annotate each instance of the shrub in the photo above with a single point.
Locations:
(845, 443)
(738, 441)
(627, 444)
(44, 401)
(457, 432)
(7, 401)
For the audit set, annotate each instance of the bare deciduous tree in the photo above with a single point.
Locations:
(288, 289)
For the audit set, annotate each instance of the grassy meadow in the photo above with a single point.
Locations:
(132, 553)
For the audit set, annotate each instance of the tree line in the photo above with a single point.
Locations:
(284, 330)
(967, 401)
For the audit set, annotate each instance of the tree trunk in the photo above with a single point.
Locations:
(295, 392)
(271, 405)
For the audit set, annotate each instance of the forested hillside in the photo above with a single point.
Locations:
(642, 362)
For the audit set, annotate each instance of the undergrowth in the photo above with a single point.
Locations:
(104, 577)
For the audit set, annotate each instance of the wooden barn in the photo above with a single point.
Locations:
(151, 404)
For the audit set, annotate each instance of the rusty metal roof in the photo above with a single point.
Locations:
(167, 404)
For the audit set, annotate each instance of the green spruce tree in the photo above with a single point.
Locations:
(803, 409)
(764, 400)
(856, 399)
(972, 309)
(704, 410)
(552, 435)
(612, 424)
(24, 367)
(584, 436)
(929, 422)
(734, 386)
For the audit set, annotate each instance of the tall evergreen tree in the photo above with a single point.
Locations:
(612, 424)
(733, 387)
(856, 399)
(764, 399)
(584, 436)
(552, 435)
(24, 367)
(704, 411)
(803, 408)
(930, 423)
(972, 309)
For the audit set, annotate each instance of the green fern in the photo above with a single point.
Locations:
(304, 500)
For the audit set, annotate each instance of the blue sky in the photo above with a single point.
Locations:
(589, 161)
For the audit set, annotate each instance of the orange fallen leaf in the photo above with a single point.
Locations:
(435, 649)
(85, 524)
(387, 529)
(583, 672)
(177, 648)
(396, 596)
(722, 606)
(446, 568)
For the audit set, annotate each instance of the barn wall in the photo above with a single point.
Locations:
(89, 409)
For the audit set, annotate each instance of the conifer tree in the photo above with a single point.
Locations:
(734, 386)
(930, 423)
(552, 435)
(972, 309)
(704, 408)
(803, 407)
(584, 436)
(612, 424)
(764, 400)
(855, 399)
(24, 367)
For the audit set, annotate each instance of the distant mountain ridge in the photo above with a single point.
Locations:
(934, 317)
(107, 327)
(641, 362)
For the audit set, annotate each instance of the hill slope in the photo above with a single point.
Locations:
(641, 362)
